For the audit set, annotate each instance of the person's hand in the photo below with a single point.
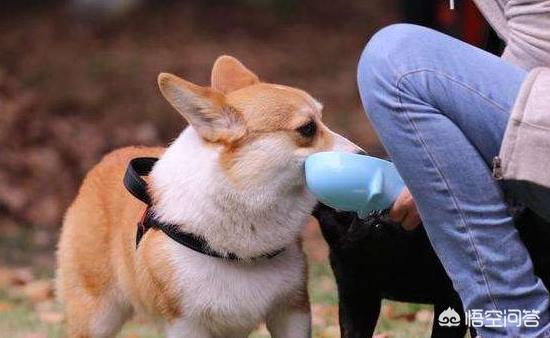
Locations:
(404, 211)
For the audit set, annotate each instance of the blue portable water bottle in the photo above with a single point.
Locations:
(352, 182)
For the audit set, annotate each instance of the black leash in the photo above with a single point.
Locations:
(137, 186)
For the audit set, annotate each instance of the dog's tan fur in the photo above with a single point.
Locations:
(102, 278)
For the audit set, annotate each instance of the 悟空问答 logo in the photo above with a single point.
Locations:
(449, 318)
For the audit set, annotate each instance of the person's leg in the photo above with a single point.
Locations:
(440, 108)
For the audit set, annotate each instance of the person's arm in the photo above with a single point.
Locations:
(525, 27)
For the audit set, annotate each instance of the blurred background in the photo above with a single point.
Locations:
(78, 79)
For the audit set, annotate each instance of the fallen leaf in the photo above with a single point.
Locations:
(38, 291)
(388, 311)
(21, 276)
(322, 315)
(331, 331)
(51, 317)
(424, 316)
(35, 335)
(382, 335)
(5, 307)
(5, 277)
(132, 335)
(409, 316)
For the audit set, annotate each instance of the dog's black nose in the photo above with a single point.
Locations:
(361, 152)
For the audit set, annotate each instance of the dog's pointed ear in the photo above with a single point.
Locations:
(229, 74)
(204, 108)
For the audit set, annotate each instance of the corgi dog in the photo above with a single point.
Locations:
(235, 178)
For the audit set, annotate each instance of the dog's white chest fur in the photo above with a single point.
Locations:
(192, 190)
(234, 296)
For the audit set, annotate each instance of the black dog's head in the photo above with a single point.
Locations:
(345, 230)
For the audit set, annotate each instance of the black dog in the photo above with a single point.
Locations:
(373, 259)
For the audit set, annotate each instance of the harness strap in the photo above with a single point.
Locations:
(137, 186)
(133, 182)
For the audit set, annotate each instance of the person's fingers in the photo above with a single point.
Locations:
(399, 208)
(397, 212)
(411, 221)
(404, 211)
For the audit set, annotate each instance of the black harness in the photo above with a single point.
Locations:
(137, 186)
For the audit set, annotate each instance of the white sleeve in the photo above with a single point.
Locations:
(525, 27)
(528, 42)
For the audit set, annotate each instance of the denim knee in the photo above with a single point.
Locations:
(386, 57)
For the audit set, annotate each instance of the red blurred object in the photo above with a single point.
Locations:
(474, 27)
(464, 22)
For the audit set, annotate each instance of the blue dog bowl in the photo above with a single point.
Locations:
(352, 182)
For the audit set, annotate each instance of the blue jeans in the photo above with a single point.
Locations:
(440, 107)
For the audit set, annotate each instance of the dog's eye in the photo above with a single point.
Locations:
(307, 130)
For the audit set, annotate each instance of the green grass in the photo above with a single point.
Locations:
(22, 319)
